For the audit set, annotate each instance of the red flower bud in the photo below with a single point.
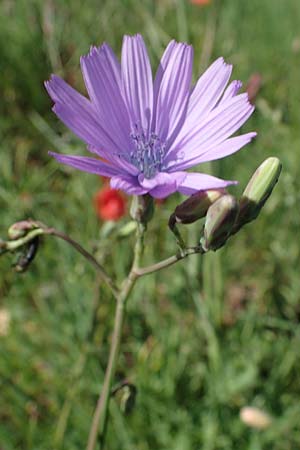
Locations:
(201, 2)
(110, 204)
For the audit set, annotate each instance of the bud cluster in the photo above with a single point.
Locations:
(224, 214)
(23, 237)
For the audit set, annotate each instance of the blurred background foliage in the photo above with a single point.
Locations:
(203, 338)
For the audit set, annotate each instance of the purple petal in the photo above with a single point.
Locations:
(137, 85)
(231, 90)
(77, 112)
(117, 160)
(85, 164)
(159, 75)
(163, 184)
(128, 184)
(101, 72)
(220, 124)
(62, 92)
(85, 127)
(172, 90)
(207, 92)
(226, 148)
(195, 182)
(80, 115)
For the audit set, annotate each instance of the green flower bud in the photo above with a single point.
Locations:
(196, 206)
(258, 190)
(142, 208)
(19, 229)
(219, 222)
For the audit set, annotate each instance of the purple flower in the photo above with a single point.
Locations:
(147, 134)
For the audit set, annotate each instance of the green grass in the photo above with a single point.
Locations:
(198, 348)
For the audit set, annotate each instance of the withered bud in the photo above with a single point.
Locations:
(19, 229)
(27, 256)
(219, 222)
(196, 206)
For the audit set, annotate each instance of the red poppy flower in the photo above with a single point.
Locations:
(201, 2)
(110, 204)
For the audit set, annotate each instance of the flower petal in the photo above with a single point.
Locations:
(226, 148)
(220, 124)
(172, 89)
(86, 164)
(195, 182)
(101, 72)
(137, 85)
(162, 184)
(80, 115)
(62, 92)
(128, 184)
(207, 92)
(167, 55)
(231, 90)
(85, 127)
(77, 112)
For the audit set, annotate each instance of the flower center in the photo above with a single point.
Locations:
(148, 153)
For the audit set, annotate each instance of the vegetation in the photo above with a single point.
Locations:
(203, 338)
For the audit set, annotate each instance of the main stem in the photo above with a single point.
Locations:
(98, 426)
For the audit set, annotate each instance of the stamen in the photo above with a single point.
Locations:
(148, 153)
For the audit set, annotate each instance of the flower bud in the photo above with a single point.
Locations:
(142, 208)
(255, 418)
(27, 256)
(19, 229)
(258, 190)
(219, 221)
(196, 206)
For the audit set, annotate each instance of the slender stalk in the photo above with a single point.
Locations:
(169, 261)
(105, 277)
(39, 229)
(100, 415)
(98, 426)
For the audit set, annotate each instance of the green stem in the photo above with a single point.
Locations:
(98, 426)
(101, 271)
(40, 229)
(169, 261)
(11, 246)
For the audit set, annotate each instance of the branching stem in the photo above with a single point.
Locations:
(169, 261)
(39, 229)
(98, 426)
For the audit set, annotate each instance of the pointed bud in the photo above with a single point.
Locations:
(219, 222)
(142, 208)
(19, 229)
(196, 206)
(258, 190)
